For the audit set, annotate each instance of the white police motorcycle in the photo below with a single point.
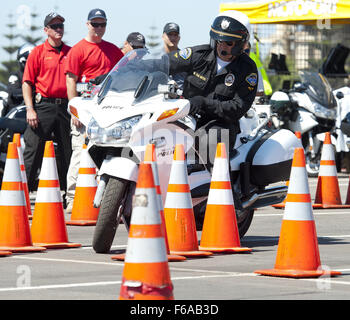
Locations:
(310, 108)
(137, 104)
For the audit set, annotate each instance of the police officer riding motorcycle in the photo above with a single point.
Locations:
(221, 80)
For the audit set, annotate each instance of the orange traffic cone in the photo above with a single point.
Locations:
(17, 140)
(14, 224)
(178, 210)
(347, 201)
(220, 230)
(297, 253)
(5, 253)
(146, 274)
(282, 205)
(83, 211)
(48, 225)
(150, 157)
(327, 192)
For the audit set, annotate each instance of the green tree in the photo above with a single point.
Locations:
(11, 64)
(153, 41)
(33, 28)
(15, 40)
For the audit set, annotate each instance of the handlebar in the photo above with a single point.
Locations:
(170, 90)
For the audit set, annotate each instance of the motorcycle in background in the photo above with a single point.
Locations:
(13, 122)
(310, 108)
(138, 104)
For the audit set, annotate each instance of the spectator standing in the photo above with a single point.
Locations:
(88, 59)
(47, 111)
(171, 38)
(135, 40)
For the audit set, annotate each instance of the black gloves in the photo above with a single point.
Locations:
(196, 104)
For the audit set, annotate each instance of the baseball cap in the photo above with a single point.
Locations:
(52, 16)
(97, 13)
(170, 27)
(136, 39)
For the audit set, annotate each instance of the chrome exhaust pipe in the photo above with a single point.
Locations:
(275, 193)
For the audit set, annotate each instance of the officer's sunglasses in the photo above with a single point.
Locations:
(96, 24)
(56, 26)
(228, 43)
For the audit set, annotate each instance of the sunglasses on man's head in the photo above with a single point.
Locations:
(228, 43)
(97, 24)
(56, 26)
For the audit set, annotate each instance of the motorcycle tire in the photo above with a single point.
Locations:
(109, 215)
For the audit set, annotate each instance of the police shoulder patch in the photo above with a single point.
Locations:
(185, 53)
(252, 79)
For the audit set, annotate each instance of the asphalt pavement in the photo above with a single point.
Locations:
(81, 274)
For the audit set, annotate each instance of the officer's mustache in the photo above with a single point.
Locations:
(225, 53)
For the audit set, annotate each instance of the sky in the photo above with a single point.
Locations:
(193, 16)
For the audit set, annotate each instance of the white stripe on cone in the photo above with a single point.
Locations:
(145, 210)
(299, 185)
(48, 195)
(86, 180)
(146, 250)
(220, 170)
(299, 211)
(48, 169)
(178, 173)
(220, 197)
(178, 200)
(327, 171)
(12, 198)
(86, 161)
(12, 171)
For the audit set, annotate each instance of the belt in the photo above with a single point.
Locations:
(54, 100)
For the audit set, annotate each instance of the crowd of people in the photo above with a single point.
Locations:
(219, 80)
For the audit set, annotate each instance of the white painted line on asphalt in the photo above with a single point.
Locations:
(107, 283)
(121, 264)
(331, 281)
(274, 238)
(122, 246)
(315, 212)
(60, 286)
(69, 260)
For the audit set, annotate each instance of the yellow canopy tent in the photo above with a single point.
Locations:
(293, 11)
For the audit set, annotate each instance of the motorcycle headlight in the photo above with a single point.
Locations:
(118, 133)
(322, 112)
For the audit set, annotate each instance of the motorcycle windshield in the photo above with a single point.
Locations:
(137, 72)
(318, 88)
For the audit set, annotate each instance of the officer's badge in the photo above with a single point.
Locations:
(185, 53)
(252, 79)
(225, 24)
(229, 80)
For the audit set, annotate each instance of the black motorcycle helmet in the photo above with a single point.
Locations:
(230, 25)
(23, 53)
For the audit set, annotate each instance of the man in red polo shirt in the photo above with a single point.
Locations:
(88, 59)
(45, 96)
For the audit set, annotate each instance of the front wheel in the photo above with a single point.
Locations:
(109, 214)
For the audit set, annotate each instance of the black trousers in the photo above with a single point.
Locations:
(54, 124)
(209, 135)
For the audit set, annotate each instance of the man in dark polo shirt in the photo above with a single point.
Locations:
(47, 107)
